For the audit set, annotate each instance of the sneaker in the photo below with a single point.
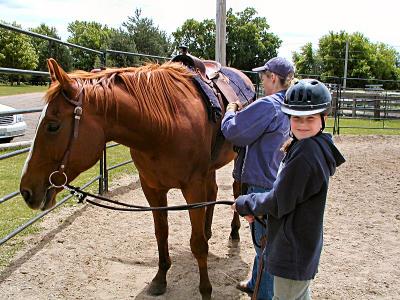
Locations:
(242, 286)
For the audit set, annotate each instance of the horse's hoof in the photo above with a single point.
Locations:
(206, 297)
(157, 288)
(235, 237)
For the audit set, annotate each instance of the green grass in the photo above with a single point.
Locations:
(15, 212)
(367, 125)
(7, 90)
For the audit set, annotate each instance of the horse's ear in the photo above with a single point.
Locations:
(58, 74)
(51, 71)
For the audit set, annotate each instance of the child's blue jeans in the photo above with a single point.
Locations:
(266, 290)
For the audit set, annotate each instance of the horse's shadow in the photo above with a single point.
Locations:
(183, 278)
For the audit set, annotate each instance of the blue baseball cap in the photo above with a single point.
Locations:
(278, 65)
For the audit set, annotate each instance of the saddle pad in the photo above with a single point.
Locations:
(245, 92)
(213, 107)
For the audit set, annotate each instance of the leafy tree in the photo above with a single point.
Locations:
(148, 38)
(386, 64)
(46, 49)
(199, 37)
(366, 60)
(92, 35)
(16, 51)
(122, 41)
(249, 43)
(307, 61)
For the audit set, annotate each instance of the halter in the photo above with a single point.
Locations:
(74, 135)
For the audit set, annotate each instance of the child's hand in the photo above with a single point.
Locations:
(249, 218)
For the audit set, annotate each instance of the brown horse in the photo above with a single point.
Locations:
(157, 112)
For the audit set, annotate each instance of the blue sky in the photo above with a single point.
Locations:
(295, 22)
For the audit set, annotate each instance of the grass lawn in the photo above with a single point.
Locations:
(15, 212)
(7, 90)
(365, 127)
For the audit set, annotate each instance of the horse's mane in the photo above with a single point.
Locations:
(156, 88)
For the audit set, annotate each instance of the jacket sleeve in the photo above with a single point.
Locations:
(296, 183)
(244, 127)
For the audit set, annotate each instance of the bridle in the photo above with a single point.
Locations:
(74, 135)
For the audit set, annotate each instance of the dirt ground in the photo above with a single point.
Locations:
(85, 252)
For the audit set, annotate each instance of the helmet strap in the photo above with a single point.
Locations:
(322, 122)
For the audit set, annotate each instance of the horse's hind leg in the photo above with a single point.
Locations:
(235, 224)
(212, 190)
(157, 197)
(194, 193)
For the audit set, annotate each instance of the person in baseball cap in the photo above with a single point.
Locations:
(259, 130)
(278, 65)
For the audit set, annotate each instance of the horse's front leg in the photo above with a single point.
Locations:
(235, 224)
(197, 192)
(157, 197)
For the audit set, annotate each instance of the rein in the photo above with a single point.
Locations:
(82, 195)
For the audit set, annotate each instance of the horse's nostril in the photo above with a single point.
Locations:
(26, 194)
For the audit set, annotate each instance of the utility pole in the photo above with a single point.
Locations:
(346, 58)
(220, 36)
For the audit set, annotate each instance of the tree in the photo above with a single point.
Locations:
(386, 65)
(148, 38)
(46, 49)
(16, 51)
(122, 41)
(307, 61)
(366, 60)
(91, 35)
(199, 37)
(249, 43)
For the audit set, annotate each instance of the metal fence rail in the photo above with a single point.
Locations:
(41, 215)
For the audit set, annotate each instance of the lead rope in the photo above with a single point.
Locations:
(82, 197)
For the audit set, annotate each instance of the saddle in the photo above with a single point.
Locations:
(218, 86)
(207, 69)
(214, 82)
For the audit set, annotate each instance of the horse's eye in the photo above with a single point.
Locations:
(53, 127)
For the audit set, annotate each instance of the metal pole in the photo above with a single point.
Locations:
(346, 58)
(105, 169)
(101, 176)
(220, 36)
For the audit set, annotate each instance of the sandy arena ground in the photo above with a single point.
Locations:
(85, 252)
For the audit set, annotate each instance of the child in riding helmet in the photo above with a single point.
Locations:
(295, 205)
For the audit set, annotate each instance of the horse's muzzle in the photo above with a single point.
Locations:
(27, 195)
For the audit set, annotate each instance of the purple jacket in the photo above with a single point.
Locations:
(262, 128)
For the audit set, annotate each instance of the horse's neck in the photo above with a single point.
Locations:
(125, 124)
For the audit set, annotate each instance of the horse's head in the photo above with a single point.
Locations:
(69, 140)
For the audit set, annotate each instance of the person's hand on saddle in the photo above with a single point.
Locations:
(249, 218)
(234, 106)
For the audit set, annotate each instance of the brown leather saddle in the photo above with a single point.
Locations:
(209, 71)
